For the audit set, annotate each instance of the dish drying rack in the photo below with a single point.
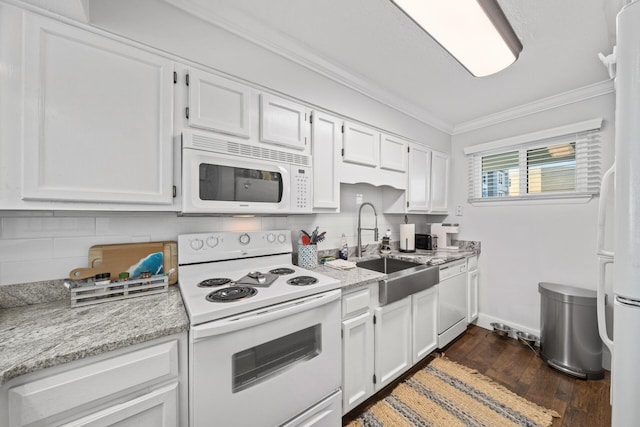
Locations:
(86, 291)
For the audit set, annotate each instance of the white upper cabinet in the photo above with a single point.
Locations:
(393, 153)
(283, 122)
(427, 184)
(326, 140)
(97, 119)
(419, 185)
(361, 145)
(439, 182)
(373, 158)
(218, 104)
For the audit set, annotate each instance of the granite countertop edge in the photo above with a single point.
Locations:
(47, 334)
(25, 368)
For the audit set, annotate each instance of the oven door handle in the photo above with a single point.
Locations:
(262, 316)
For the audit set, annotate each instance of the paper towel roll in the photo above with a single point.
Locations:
(407, 237)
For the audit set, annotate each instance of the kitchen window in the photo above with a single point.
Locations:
(557, 163)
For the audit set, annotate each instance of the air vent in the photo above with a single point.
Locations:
(246, 150)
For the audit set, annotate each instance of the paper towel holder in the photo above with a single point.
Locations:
(407, 237)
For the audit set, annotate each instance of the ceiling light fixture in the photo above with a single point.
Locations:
(475, 32)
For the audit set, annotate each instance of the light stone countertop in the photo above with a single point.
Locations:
(357, 277)
(35, 335)
(430, 257)
(352, 278)
(38, 336)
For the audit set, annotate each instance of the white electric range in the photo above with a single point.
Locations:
(264, 332)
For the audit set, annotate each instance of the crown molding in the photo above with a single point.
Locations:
(77, 10)
(566, 98)
(261, 35)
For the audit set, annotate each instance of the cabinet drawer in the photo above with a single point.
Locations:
(356, 302)
(49, 398)
(472, 263)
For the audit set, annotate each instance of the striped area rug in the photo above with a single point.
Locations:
(445, 393)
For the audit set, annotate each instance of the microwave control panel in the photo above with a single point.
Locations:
(301, 185)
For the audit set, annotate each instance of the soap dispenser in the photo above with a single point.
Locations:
(344, 249)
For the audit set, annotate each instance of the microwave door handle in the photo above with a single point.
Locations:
(261, 316)
(602, 211)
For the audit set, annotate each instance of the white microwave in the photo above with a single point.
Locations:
(228, 177)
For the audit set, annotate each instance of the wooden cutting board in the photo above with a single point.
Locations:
(114, 259)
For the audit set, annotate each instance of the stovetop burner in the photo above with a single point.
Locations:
(211, 283)
(302, 281)
(232, 293)
(282, 271)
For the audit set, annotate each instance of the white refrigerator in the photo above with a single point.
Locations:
(625, 367)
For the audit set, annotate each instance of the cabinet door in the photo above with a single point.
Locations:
(283, 122)
(63, 395)
(156, 409)
(97, 118)
(439, 182)
(424, 323)
(326, 143)
(357, 360)
(219, 104)
(473, 279)
(419, 179)
(393, 153)
(392, 341)
(361, 145)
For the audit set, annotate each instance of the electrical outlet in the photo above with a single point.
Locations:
(458, 210)
(359, 199)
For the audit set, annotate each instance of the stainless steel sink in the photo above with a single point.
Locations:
(403, 277)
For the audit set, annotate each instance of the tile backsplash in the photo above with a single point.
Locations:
(36, 246)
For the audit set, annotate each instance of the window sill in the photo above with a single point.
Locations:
(543, 200)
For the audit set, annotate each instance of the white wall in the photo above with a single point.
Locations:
(523, 245)
(38, 246)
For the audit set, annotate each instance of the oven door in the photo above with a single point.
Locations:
(267, 366)
(220, 183)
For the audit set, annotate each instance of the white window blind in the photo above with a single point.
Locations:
(563, 166)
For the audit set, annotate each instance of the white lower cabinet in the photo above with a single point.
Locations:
(357, 347)
(143, 385)
(392, 341)
(473, 282)
(380, 343)
(424, 323)
(158, 408)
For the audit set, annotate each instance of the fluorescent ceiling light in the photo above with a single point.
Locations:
(475, 32)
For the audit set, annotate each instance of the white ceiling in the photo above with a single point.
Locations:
(373, 46)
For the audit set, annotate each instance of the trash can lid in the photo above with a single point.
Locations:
(567, 293)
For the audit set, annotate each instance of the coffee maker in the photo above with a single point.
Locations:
(446, 234)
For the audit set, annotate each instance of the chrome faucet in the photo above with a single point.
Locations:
(375, 230)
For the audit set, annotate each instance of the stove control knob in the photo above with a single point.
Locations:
(282, 238)
(212, 242)
(244, 239)
(196, 244)
(271, 237)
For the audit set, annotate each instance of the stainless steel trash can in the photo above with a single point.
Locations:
(569, 339)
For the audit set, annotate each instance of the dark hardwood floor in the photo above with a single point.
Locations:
(514, 365)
